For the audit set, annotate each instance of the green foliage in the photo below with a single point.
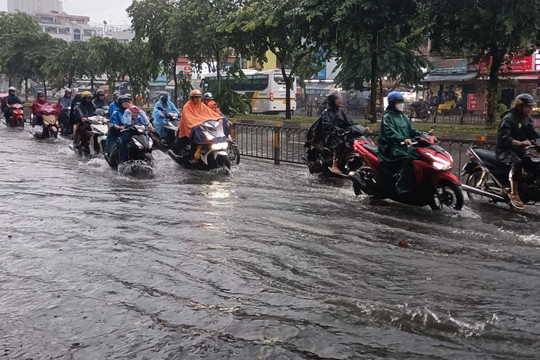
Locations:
(279, 27)
(482, 29)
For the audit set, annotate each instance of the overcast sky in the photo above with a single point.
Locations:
(113, 11)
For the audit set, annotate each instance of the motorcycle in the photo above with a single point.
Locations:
(17, 117)
(434, 184)
(319, 158)
(167, 142)
(139, 152)
(96, 129)
(63, 119)
(208, 148)
(49, 129)
(487, 177)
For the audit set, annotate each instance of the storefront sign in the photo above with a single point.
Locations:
(447, 67)
(511, 65)
(472, 102)
(537, 61)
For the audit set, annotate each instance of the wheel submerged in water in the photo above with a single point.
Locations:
(447, 194)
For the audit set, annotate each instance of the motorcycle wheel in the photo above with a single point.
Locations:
(474, 179)
(448, 194)
(21, 124)
(234, 154)
(223, 162)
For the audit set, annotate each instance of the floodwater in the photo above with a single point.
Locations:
(268, 263)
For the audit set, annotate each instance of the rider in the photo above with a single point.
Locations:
(117, 125)
(335, 122)
(194, 113)
(395, 153)
(36, 108)
(65, 102)
(208, 100)
(83, 111)
(135, 115)
(114, 105)
(10, 100)
(159, 115)
(516, 134)
(99, 100)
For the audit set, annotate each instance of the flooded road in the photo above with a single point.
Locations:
(269, 263)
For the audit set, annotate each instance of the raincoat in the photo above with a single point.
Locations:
(116, 119)
(396, 159)
(159, 122)
(193, 115)
(213, 105)
(36, 111)
(141, 119)
(112, 108)
(84, 109)
(100, 104)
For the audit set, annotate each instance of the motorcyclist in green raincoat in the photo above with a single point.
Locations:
(395, 153)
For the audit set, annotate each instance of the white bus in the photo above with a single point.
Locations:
(264, 90)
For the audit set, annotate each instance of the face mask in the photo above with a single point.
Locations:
(400, 107)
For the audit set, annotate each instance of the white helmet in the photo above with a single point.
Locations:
(12, 88)
(208, 95)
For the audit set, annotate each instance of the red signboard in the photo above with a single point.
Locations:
(472, 102)
(511, 65)
(187, 69)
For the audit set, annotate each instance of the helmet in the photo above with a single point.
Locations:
(40, 93)
(12, 88)
(115, 95)
(333, 97)
(86, 94)
(208, 95)
(195, 93)
(100, 92)
(524, 99)
(68, 91)
(395, 96)
(134, 108)
(123, 98)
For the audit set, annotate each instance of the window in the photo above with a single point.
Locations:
(76, 35)
(46, 20)
(64, 31)
(51, 30)
(88, 32)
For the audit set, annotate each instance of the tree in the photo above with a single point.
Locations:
(279, 27)
(199, 22)
(486, 29)
(151, 21)
(138, 66)
(61, 67)
(371, 39)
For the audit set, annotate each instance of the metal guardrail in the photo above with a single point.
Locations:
(286, 144)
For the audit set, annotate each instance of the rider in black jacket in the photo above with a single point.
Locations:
(516, 134)
(335, 122)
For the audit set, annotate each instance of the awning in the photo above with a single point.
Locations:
(450, 77)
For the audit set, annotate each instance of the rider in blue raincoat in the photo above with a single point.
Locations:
(159, 115)
(118, 124)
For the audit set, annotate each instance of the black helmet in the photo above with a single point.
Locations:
(40, 93)
(100, 92)
(333, 97)
(524, 99)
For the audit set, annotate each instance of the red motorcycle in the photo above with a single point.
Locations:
(434, 186)
(17, 117)
(49, 129)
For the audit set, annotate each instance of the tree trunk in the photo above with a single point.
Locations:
(374, 59)
(92, 83)
(70, 81)
(10, 81)
(493, 85)
(175, 92)
(381, 94)
(26, 89)
(45, 88)
(218, 65)
(287, 79)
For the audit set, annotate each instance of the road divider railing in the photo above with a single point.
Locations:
(286, 144)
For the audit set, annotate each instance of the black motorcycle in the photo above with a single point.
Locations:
(486, 177)
(139, 152)
(319, 157)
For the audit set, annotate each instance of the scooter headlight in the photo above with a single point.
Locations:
(440, 166)
(220, 146)
(150, 142)
(138, 143)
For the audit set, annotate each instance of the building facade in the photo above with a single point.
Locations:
(34, 6)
